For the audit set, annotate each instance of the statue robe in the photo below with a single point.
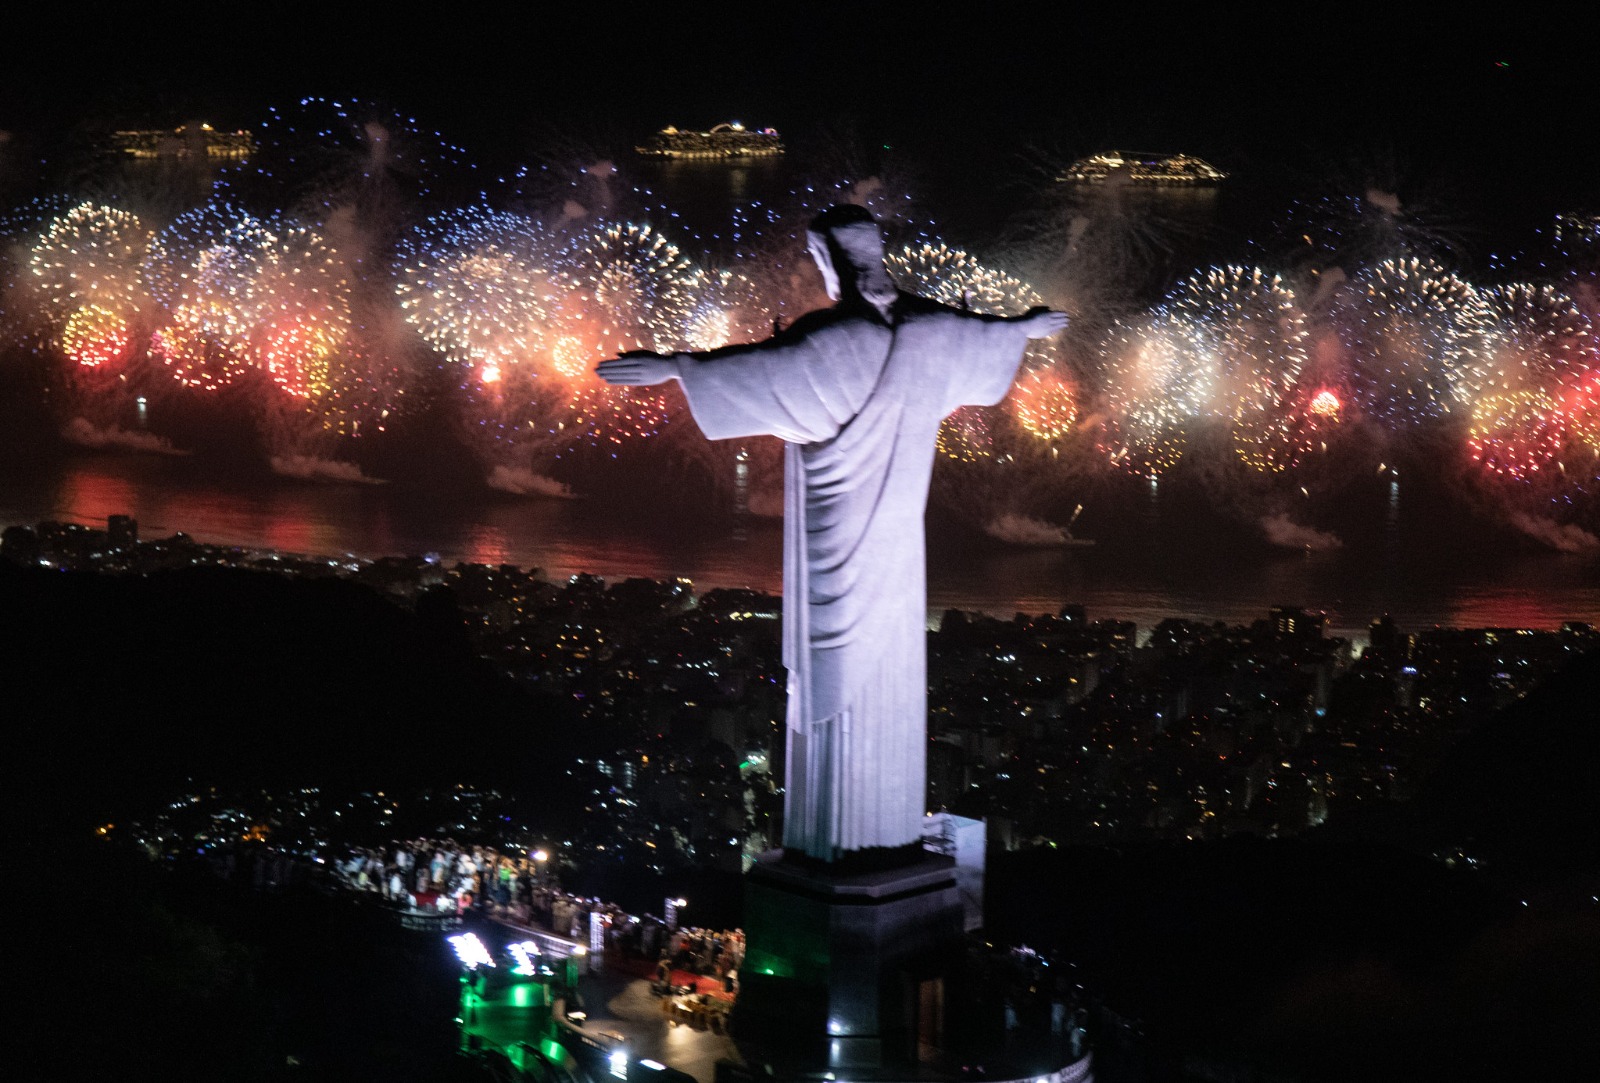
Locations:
(860, 403)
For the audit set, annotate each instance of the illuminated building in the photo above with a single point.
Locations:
(729, 140)
(1294, 621)
(186, 141)
(1139, 167)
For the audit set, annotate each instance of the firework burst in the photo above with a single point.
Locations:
(270, 297)
(199, 247)
(1255, 335)
(1416, 338)
(83, 271)
(1516, 434)
(201, 345)
(730, 308)
(299, 309)
(1581, 407)
(953, 276)
(1537, 336)
(967, 436)
(1162, 378)
(96, 337)
(479, 288)
(1045, 401)
(201, 268)
(631, 288)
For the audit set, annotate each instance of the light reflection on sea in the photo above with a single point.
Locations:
(1160, 566)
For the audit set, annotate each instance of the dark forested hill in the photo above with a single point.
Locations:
(121, 689)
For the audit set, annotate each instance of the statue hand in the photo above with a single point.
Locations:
(638, 369)
(1044, 322)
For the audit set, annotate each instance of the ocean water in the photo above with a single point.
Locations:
(1157, 553)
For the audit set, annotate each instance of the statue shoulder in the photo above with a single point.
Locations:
(911, 308)
(829, 327)
(919, 307)
(814, 322)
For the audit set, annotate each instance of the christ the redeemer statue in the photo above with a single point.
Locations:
(858, 391)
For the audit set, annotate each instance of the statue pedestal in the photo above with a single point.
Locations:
(848, 970)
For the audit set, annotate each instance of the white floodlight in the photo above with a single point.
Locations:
(524, 953)
(470, 950)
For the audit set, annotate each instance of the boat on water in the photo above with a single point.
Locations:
(1143, 168)
(728, 140)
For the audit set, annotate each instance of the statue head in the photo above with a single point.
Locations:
(847, 246)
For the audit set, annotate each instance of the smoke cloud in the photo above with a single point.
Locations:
(311, 468)
(1564, 537)
(1024, 530)
(1282, 531)
(84, 433)
(520, 481)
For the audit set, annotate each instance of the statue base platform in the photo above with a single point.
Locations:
(847, 969)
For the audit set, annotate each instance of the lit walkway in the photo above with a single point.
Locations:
(621, 1003)
(624, 1004)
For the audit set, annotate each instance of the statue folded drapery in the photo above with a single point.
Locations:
(858, 392)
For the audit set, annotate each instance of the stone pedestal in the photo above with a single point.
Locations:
(848, 970)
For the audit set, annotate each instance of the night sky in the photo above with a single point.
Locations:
(1306, 86)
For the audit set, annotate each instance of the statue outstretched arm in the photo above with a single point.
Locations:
(986, 351)
(771, 388)
(642, 368)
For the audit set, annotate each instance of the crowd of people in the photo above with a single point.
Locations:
(708, 953)
(439, 875)
(429, 874)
